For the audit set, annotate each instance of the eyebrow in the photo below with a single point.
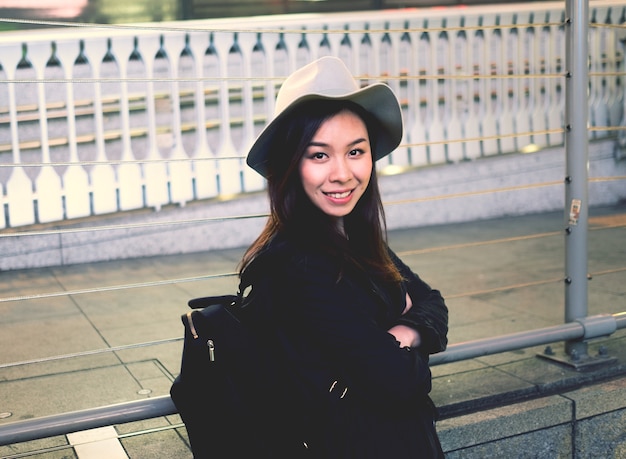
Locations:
(351, 144)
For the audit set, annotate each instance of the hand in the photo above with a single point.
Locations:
(406, 336)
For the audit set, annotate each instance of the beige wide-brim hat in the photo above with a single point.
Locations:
(329, 78)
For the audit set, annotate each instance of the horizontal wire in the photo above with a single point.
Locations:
(120, 162)
(117, 162)
(504, 288)
(280, 31)
(466, 245)
(607, 179)
(50, 449)
(464, 194)
(527, 284)
(608, 26)
(265, 215)
(403, 77)
(90, 352)
(115, 288)
(473, 193)
(606, 128)
(493, 190)
(151, 430)
(265, 79)
(611, 73)
(39, 452)
(131, 226)
(481, 138)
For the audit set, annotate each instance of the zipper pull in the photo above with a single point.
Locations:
(192, 329)
(211, 347)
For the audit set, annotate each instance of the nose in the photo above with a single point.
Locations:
(341, 171)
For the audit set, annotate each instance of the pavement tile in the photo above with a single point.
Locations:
(32, 311)
(167, 355)
(52, 394)
(52, 365)
(461, 366)
(58, 335)
(161, 444)
(56, 447)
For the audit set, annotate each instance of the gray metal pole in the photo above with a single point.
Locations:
(62, 424)
(577, 159)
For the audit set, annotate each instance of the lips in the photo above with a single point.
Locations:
(339, 195)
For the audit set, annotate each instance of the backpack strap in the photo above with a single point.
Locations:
(224, 300)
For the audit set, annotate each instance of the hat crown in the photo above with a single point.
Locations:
(327, 76)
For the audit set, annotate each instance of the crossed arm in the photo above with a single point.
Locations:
(405, 335)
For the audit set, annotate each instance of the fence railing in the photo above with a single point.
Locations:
(130, 117)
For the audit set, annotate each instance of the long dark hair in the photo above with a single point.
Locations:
(363, 243)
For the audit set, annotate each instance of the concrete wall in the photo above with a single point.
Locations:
(480, 189)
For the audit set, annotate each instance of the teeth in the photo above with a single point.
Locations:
(345, 194)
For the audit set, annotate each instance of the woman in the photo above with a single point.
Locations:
(350, 323)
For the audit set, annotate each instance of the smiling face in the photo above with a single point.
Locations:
(337, 165)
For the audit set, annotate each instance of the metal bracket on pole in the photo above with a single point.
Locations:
(579, 362)
(594, 327)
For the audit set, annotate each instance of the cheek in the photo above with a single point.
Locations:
(364, 172)
(309, 177)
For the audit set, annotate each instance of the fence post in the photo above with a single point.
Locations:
(576, 187)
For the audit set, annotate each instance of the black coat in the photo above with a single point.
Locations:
(346, 388)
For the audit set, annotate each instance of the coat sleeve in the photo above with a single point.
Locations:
(429, 314)
(334, 322)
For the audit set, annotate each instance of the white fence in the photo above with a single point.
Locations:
(97, 120)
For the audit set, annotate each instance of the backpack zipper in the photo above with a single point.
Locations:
(210, 344)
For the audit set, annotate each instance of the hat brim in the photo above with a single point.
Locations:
(378, 99)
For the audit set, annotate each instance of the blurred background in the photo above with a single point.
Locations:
(123, 11)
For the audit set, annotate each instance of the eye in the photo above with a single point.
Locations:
(318, 155)
(355, 152)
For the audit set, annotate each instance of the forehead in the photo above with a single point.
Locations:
(343, 122)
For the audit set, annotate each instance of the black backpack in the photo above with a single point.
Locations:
(229, 387)
(218, 357)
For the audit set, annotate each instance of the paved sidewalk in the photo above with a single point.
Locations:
(498, 276)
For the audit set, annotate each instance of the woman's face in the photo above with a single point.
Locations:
(337, 165)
